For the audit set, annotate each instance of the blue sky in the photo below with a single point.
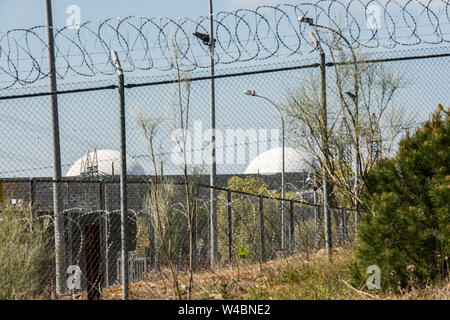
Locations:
(27, 13)
(17, 14)
(23, 13)
(88, 121)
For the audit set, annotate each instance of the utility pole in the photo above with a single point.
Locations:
(252, 93)
(123, 178)
(213, 211)
(56, 151)
(324, 116)
(354, 96)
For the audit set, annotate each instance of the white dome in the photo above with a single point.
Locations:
(270, 162)
(105, 159)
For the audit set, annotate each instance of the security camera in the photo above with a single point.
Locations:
(204, 37)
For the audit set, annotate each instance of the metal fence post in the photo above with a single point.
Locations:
(343, 225)
(32, 194)
(123, 177)
(104, 231)
(213, 208)
(261, 222)
(194, 238)
(292, 229)
(101, 194)
(56, 152)
(152, 245)
(230, 227)
(317, 223)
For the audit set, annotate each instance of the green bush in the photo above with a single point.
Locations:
(25, 257)
(407, 229)
(246, 217)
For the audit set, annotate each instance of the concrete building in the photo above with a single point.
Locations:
(91, 195)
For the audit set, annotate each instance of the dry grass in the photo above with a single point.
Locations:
(291, 278)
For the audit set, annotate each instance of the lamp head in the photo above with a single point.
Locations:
(307, 20)
(249, 92)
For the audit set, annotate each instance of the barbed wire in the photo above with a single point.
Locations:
(240, 36)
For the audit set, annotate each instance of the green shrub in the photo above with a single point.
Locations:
(246, 217)
(25, 258)
(407, 231)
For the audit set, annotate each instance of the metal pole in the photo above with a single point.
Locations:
(356, 192)
(194, 238)
(213, 211)
(355, 99)
(69, 227)
(230, 227)
(152, 246)
(292, 231)
(32, 194)
(103, 230)
(56, 153)
(283, 180)
(283, 190)
(123, 177)
(317, 222)
(324, 116)
(343, 226)
(326, 211)
(261, 222)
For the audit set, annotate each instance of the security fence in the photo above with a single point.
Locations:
(163, 243)
(245, 126)
(249, 226)
(249, 231)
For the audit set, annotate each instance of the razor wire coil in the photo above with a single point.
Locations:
(241, 36)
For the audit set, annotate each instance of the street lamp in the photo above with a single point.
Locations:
(310, 21)
(209, 41)
(252, 93)
(354, 97)
(324, 117)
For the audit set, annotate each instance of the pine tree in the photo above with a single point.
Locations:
(407, 231)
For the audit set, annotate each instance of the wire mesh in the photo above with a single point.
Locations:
(158, 244)
(249, 226)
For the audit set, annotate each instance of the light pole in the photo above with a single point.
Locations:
(324, 119)
(310, 21)
(283, 180)
(209, 41)
(357, 164)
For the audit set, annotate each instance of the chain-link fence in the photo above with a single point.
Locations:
(245, 126)
(249, 226)
(158, 241)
